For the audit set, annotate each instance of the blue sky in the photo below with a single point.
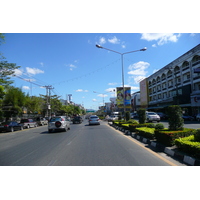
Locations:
(72, 64)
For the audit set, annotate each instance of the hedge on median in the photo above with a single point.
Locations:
(146, 132)
(168, 137)
(189, 145)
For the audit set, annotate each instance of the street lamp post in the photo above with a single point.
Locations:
(122, 63)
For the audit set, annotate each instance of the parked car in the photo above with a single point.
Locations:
(152, 116)
(94, 120)
(28, 123)
(77, 120)
(187, 118)
(134, 115)
(112, 118)
(59, 123)
(162, 115)
(41, 121)
(10, 126)
(198, 117)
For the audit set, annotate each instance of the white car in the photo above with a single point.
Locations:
(94, 120)
(112, 118)
(152, 116)
(61, 123)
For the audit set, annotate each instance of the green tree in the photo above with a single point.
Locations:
(6, 69)
(13, 102)
(2, 94)
(34, 104)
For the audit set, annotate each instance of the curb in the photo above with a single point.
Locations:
(168, 150)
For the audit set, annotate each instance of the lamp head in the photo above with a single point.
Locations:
(98, 46)
(144, 49)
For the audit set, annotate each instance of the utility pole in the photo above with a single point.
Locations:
(48, 100)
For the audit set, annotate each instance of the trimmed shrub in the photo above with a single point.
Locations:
(146, 132)
(151, 125)
(120, 116)
(175, 119)
(197, 135)
(189, 146)
(159, 126)
(142, 115)
(132, 121)
(127, 116)
(167, 137)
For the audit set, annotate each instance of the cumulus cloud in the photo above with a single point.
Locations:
(34, 71)
(114, 40)
(94, 100)
(102, 40)
(138, 68)
(161, 38)
(18, 72)
(26, 87)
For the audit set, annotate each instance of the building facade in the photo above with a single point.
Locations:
(178, 83)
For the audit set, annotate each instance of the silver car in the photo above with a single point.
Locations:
(94, 120)
(152, 116)
(61, 123)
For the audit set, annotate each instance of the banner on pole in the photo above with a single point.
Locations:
(124, 98)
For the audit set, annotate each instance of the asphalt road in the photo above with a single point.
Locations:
(83, 145)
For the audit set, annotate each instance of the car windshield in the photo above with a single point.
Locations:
(54, 119)
(24, 120)
(152, 113)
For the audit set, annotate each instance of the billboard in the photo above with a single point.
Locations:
(124, 98)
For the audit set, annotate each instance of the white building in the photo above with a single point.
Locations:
(176, 83)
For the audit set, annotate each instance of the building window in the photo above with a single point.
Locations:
(163, 85)
(186, 76)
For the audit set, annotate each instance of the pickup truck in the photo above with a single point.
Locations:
(28, 123)
(41, 121)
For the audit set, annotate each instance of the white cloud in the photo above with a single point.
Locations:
(34, 71)
(18, 72)
(81, 90)
(154, 45)
(112, 83)
(102, 40)
(26, 87)
(94, 100)
(138, 68)
(29, 79)
(161, 38)
(71, 66)
(42, 64)
(114, 40)
(102, 95)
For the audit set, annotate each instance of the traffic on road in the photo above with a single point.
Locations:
(85, 144)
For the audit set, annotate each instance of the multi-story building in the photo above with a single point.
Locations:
(176, 83)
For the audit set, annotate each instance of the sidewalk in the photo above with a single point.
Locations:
(173, 151)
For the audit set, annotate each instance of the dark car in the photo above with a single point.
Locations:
(188, 118)
(77, 120)
(10, 126)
